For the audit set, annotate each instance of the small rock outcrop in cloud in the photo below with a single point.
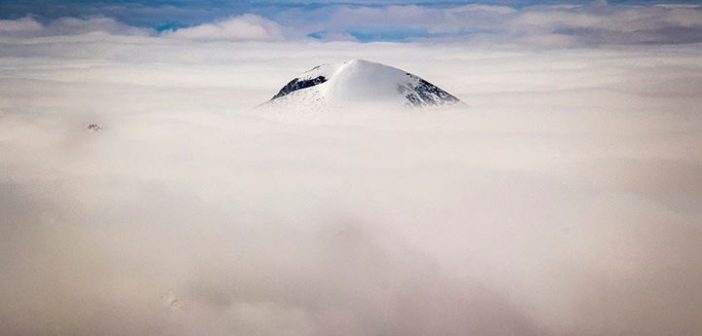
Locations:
(359, 82)
(94, 127)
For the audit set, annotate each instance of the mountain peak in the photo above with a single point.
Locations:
(360, 81)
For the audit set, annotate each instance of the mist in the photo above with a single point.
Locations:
(564, 199)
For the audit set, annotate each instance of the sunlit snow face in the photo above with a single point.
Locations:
(564, 199)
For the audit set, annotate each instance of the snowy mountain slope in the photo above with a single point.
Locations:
(359, 82)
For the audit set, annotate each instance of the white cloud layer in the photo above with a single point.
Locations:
(564, 201)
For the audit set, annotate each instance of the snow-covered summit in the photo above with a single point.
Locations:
(359, 81)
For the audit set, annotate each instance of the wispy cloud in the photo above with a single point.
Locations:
(28, 27)
(241, 28)
(575, 24)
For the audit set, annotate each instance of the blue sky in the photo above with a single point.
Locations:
(188, 12)
(613, 21)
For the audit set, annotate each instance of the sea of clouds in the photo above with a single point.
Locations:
(566, 199)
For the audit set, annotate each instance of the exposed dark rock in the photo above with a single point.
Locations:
(297, 84)
(94, 127)
(426, 94)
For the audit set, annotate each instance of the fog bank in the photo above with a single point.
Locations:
(565, 199)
